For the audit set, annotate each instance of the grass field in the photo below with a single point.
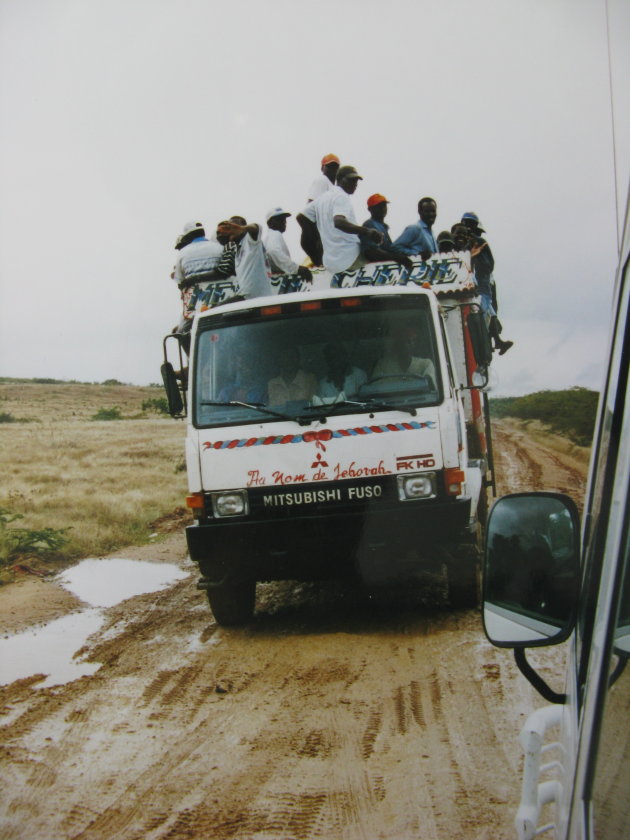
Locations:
(106, 481)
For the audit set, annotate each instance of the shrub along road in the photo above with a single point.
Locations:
(333, 715)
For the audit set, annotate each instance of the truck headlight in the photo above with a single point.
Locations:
(230, 503)
(416, 486)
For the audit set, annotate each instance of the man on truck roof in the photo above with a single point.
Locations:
(325, 181)
(483, 266)
(251, 267)
(310, 239)
(197, 256)
(377, 207)
(278, 254)
(418, 238)
(333, 216)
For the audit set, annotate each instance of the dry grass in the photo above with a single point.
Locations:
(105, 480)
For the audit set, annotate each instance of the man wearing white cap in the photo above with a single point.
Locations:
(197, 258)
(278, 254)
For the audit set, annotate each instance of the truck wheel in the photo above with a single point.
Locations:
(463, 585)
(233, 603)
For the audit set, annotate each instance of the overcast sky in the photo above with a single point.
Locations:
(120, 120)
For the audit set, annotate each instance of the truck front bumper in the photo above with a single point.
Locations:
(323, 545)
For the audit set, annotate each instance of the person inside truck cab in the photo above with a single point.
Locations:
(418, 238)
(246, 385)
(292, 384)
(399, 358)
(342, 379)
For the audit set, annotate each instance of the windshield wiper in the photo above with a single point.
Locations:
(261, 407)
(369, 405)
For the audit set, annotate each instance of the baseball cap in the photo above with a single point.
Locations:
(347, 172)
(330, 159)
(190, 226)
(475, 218)
(276, 211)
(377, 198)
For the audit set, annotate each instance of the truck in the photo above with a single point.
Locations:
(337, 429)
(548, 579)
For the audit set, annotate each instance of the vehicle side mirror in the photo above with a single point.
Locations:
(531, 570)
(480, 378)
(480, 338)
(171, 386)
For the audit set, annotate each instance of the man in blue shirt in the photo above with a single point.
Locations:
(418, 238)
(377, 205)
(483, 265)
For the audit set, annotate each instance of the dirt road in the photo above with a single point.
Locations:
(333, 715)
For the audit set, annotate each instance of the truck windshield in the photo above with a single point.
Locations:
(339, 357)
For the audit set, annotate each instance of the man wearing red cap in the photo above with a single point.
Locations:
(325, 181)
(377, 206)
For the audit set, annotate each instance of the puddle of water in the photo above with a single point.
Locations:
(101, 583)
(105, 583)
(49, 650)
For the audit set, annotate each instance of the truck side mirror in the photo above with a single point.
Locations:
(171, 386)
(480, 338)
(531, 570)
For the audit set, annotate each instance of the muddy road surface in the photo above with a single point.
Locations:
(335, 714)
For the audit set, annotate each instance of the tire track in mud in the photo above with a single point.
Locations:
(522, 463)
(292, 749)
(326, 718)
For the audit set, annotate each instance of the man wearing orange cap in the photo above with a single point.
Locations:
(325, 181)
(332, 217)
(377, 206)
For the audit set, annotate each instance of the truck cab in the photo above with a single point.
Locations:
(548, 579)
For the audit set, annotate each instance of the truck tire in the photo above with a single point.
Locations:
(232, 603)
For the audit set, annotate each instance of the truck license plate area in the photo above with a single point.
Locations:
(342, 495)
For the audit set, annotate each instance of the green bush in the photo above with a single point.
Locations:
(108, 414)
(156, 404)
(26, 542)
(571, 412)
(6, 417)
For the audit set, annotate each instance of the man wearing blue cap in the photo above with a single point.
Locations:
(483, 266)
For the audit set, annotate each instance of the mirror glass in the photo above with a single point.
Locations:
(480, 378)
(531, 573)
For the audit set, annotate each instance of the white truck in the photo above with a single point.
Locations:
(339, 430)
(546, 581)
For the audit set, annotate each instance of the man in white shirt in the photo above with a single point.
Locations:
(278, 255)
(309, 239)
(252, 271)
(325, 181)
(197, 258)
(333, 215)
